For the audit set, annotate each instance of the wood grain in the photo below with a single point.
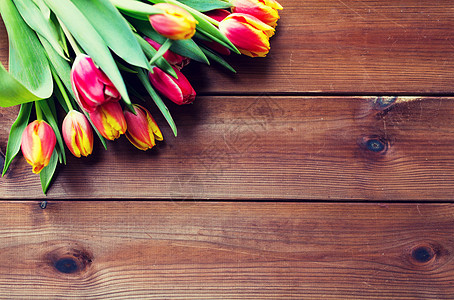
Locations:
(344, 46)
(190, 250)
(342, 148)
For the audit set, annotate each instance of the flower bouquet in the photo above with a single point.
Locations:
(73, 55)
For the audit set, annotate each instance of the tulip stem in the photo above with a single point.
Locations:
(70, 39)
(39, 113)
(62, 89)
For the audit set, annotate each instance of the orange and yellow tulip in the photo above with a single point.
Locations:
(248, 34)
(77, 134)
(264, 10)
(175, 23)
(37, 145)
(109, 120)
(142, 128)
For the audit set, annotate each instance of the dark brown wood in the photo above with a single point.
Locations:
(190, 250)
(342, 148)
(344, 46)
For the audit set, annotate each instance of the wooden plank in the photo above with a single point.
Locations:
(190, 250)
(344, 148)
(344, 46)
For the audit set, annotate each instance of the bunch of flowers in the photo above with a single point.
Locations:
(75, 53)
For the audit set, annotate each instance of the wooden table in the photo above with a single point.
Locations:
(324, 171)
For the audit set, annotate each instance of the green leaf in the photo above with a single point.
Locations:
(90, 41)
(157, 100)
(136, 9)
(60, 65)
(163, 49)
(114, 29)
(52, 120)
(38, 22)
(186, 48)
(15, 134)
(150, 52)
(30, 77)
(217, 58)
(206, 5)
(47, 173)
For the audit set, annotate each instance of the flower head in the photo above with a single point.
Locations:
(264, 10)
(248, 34)
(77, 134)
(90, 85)
(175, 23)
(178, 90)
(142, 128)
(37, 145)
(109, 120)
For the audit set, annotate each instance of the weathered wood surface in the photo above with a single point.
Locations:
(343, 148)
(345, 46)
(191, 250)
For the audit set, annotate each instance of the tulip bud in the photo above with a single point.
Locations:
(172, 58)
(218, 15)
(109, 120)
(142, 128)
(175, 23)
(178, 90)
(90, 85)
(38, 143)
(248, 34)
(77, 134)
(264, 10)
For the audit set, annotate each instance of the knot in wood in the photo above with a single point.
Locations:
(384, 102)
(69, 260)
(374, 144)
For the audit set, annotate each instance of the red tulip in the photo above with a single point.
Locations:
(142, 128)
(77, 134)
(175, 23)
(109, 120)
(171, 57)
(248, 34)
(178, 90)
(90, 85)
(38, 143)
(264, 10)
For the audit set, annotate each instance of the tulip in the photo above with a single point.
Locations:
(172, 58)
(248, 34)
(142, 128)
(77, 134)
(178, 90)
(218, 15)
(264, 10)
(175, 23)
(109, 120)
(38, 143)
(90, 85)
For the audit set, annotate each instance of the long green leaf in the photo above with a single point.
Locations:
(186, 48)
(29, 77)
(217, 58)
(136, 9)
(163, 49)
(157, 100)
(206, 5)
(114, 29)
(15, 134)
(47, 173)
(90, 40)
(150, 52)
(37, 21)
